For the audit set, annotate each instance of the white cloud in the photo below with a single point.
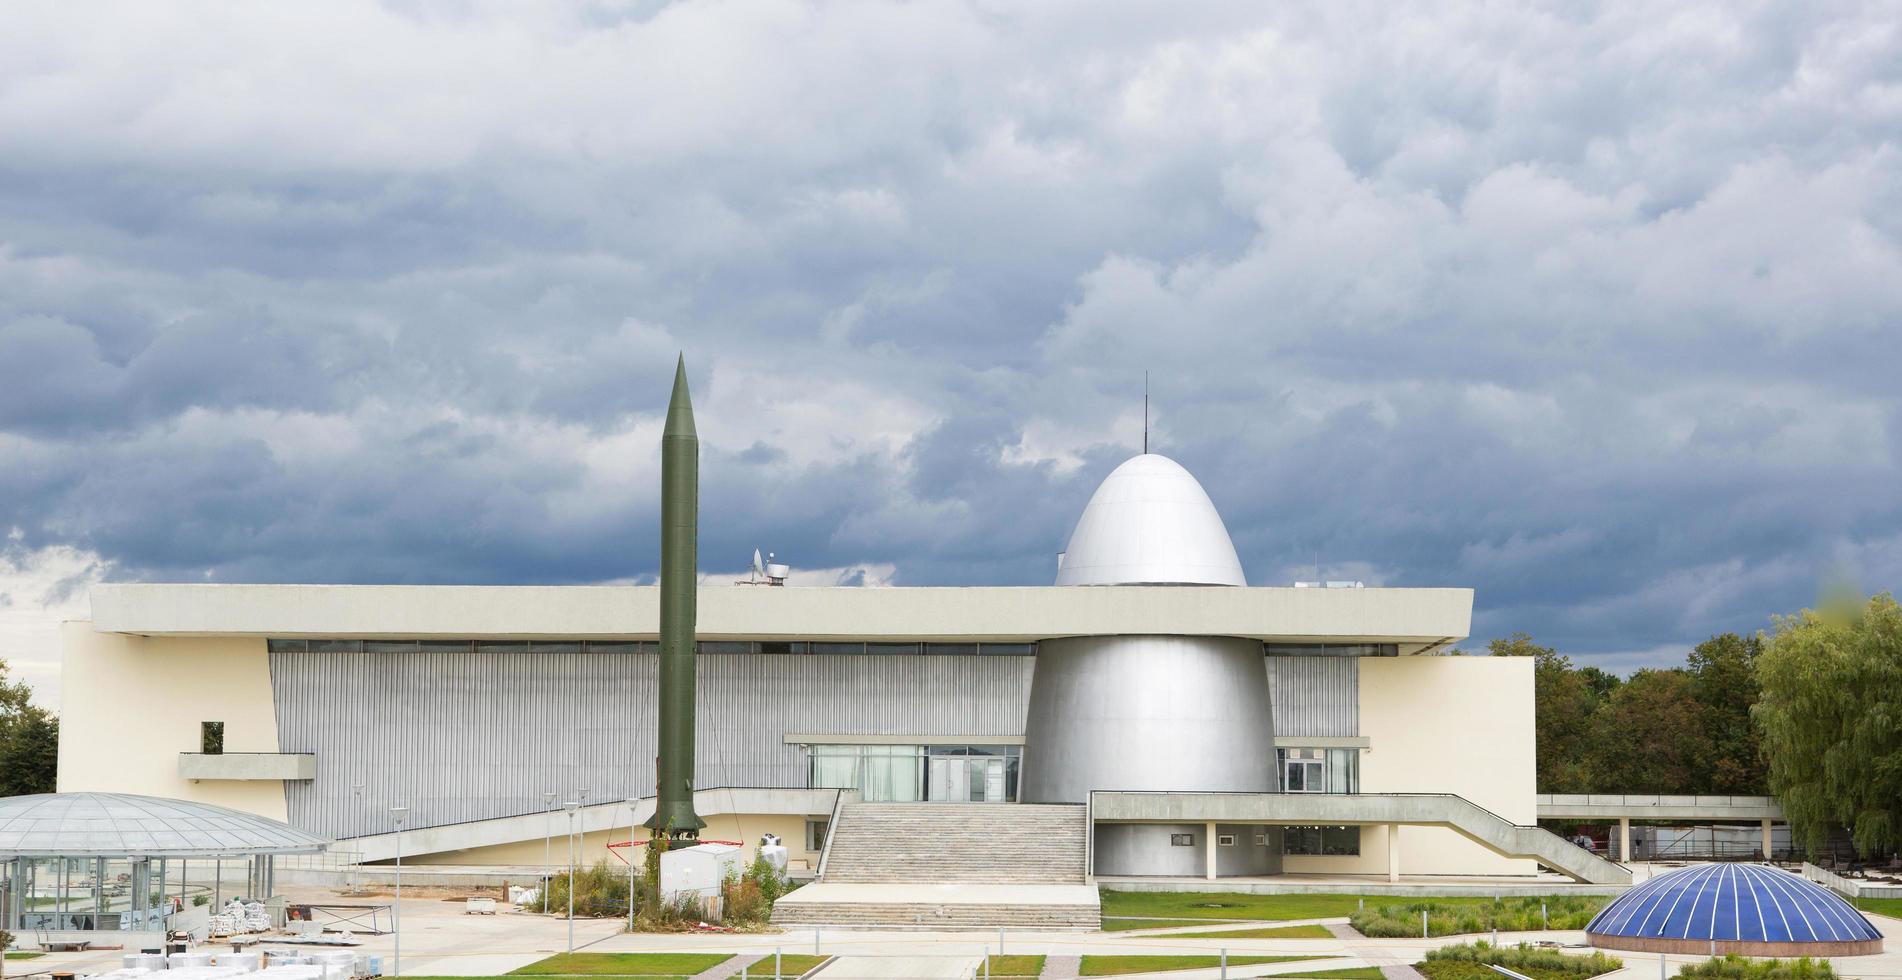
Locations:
(39, 589)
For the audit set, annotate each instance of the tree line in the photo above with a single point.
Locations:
(1809, 711)
(29, 741)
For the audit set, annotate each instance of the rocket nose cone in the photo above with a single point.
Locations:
(680, 406)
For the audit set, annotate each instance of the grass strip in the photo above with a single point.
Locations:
(622, 964)
(1115, 966)
(1124, 925)
(1271, 932)
(1230, 905)
(1016, 966)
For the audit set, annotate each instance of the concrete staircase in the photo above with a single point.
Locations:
(951, 866)
(975, 843)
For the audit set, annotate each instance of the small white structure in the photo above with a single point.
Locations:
(697, 870)
(773, 852)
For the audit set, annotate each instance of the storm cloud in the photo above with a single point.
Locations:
(1594, 308)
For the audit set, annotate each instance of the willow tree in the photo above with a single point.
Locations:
(1830, 713)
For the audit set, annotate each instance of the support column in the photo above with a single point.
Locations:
(1766, 840)
(1393, 852)
(1208, 851)
(1624, 840)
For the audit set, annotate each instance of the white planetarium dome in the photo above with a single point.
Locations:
(1150, 523)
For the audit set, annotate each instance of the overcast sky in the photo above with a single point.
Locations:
(1595, 308)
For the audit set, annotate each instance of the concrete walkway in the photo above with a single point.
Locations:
(900, 968)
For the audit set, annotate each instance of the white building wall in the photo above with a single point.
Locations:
(1460, 725)
(129, 705)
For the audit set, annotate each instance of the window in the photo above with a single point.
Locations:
(1225, 840)
(1344, 841)
(1319, 770)
(952, 773)
(211, 737)
(884, 773)
(816, 835)
(1181, 840)
(1331, 649)
(1007, 649)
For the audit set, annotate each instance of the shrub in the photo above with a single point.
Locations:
(1444, 918)
(1735, 967)
(599, 892)
(747, 897)
(1525, 958)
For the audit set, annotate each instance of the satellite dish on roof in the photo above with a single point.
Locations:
(759, 567)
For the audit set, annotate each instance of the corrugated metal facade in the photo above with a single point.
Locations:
(1315, 695)
(470, 736)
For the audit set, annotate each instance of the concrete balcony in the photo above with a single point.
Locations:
(247, 765)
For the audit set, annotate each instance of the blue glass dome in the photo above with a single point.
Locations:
(1751, 909)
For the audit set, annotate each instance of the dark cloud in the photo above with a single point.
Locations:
(1590, 308)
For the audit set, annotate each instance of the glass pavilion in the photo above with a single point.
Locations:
(74, 863)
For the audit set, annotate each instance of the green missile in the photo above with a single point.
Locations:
(679, 568)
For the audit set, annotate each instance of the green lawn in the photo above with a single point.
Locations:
(1121, 925)
(790, 965)
(1271, 932)
(1114, 966)
(1016, 966)
(624, 964)
(1230, 905)
(1891, 907)
(25, 954)
(1347, 973)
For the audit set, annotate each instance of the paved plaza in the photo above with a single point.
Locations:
(440, 940)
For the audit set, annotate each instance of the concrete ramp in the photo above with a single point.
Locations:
(1474, 822)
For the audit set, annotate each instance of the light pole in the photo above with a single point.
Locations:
(548, 837)
(396, 910)
(581, 838)
(573, 807)
(356, 866)
(633, 827)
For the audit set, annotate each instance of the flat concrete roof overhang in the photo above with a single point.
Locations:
(1564, 806)
(1416, 619)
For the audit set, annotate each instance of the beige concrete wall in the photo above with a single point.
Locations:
(746, 827)
(129, 705)
(1461, 725)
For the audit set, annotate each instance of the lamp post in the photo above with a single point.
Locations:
(356, 866)
(633, 827)
(548, 837)
(581, 837)
(396, 910)
(573, 806)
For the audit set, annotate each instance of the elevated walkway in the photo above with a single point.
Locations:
(1404, 809)
(1647, 806)
(950, 866)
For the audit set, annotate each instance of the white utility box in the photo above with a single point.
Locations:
(697, 870)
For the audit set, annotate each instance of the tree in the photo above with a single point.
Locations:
(1563, 706)
(29, 741)
(1650, 736)
(1830, 716)
(1724, 675)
